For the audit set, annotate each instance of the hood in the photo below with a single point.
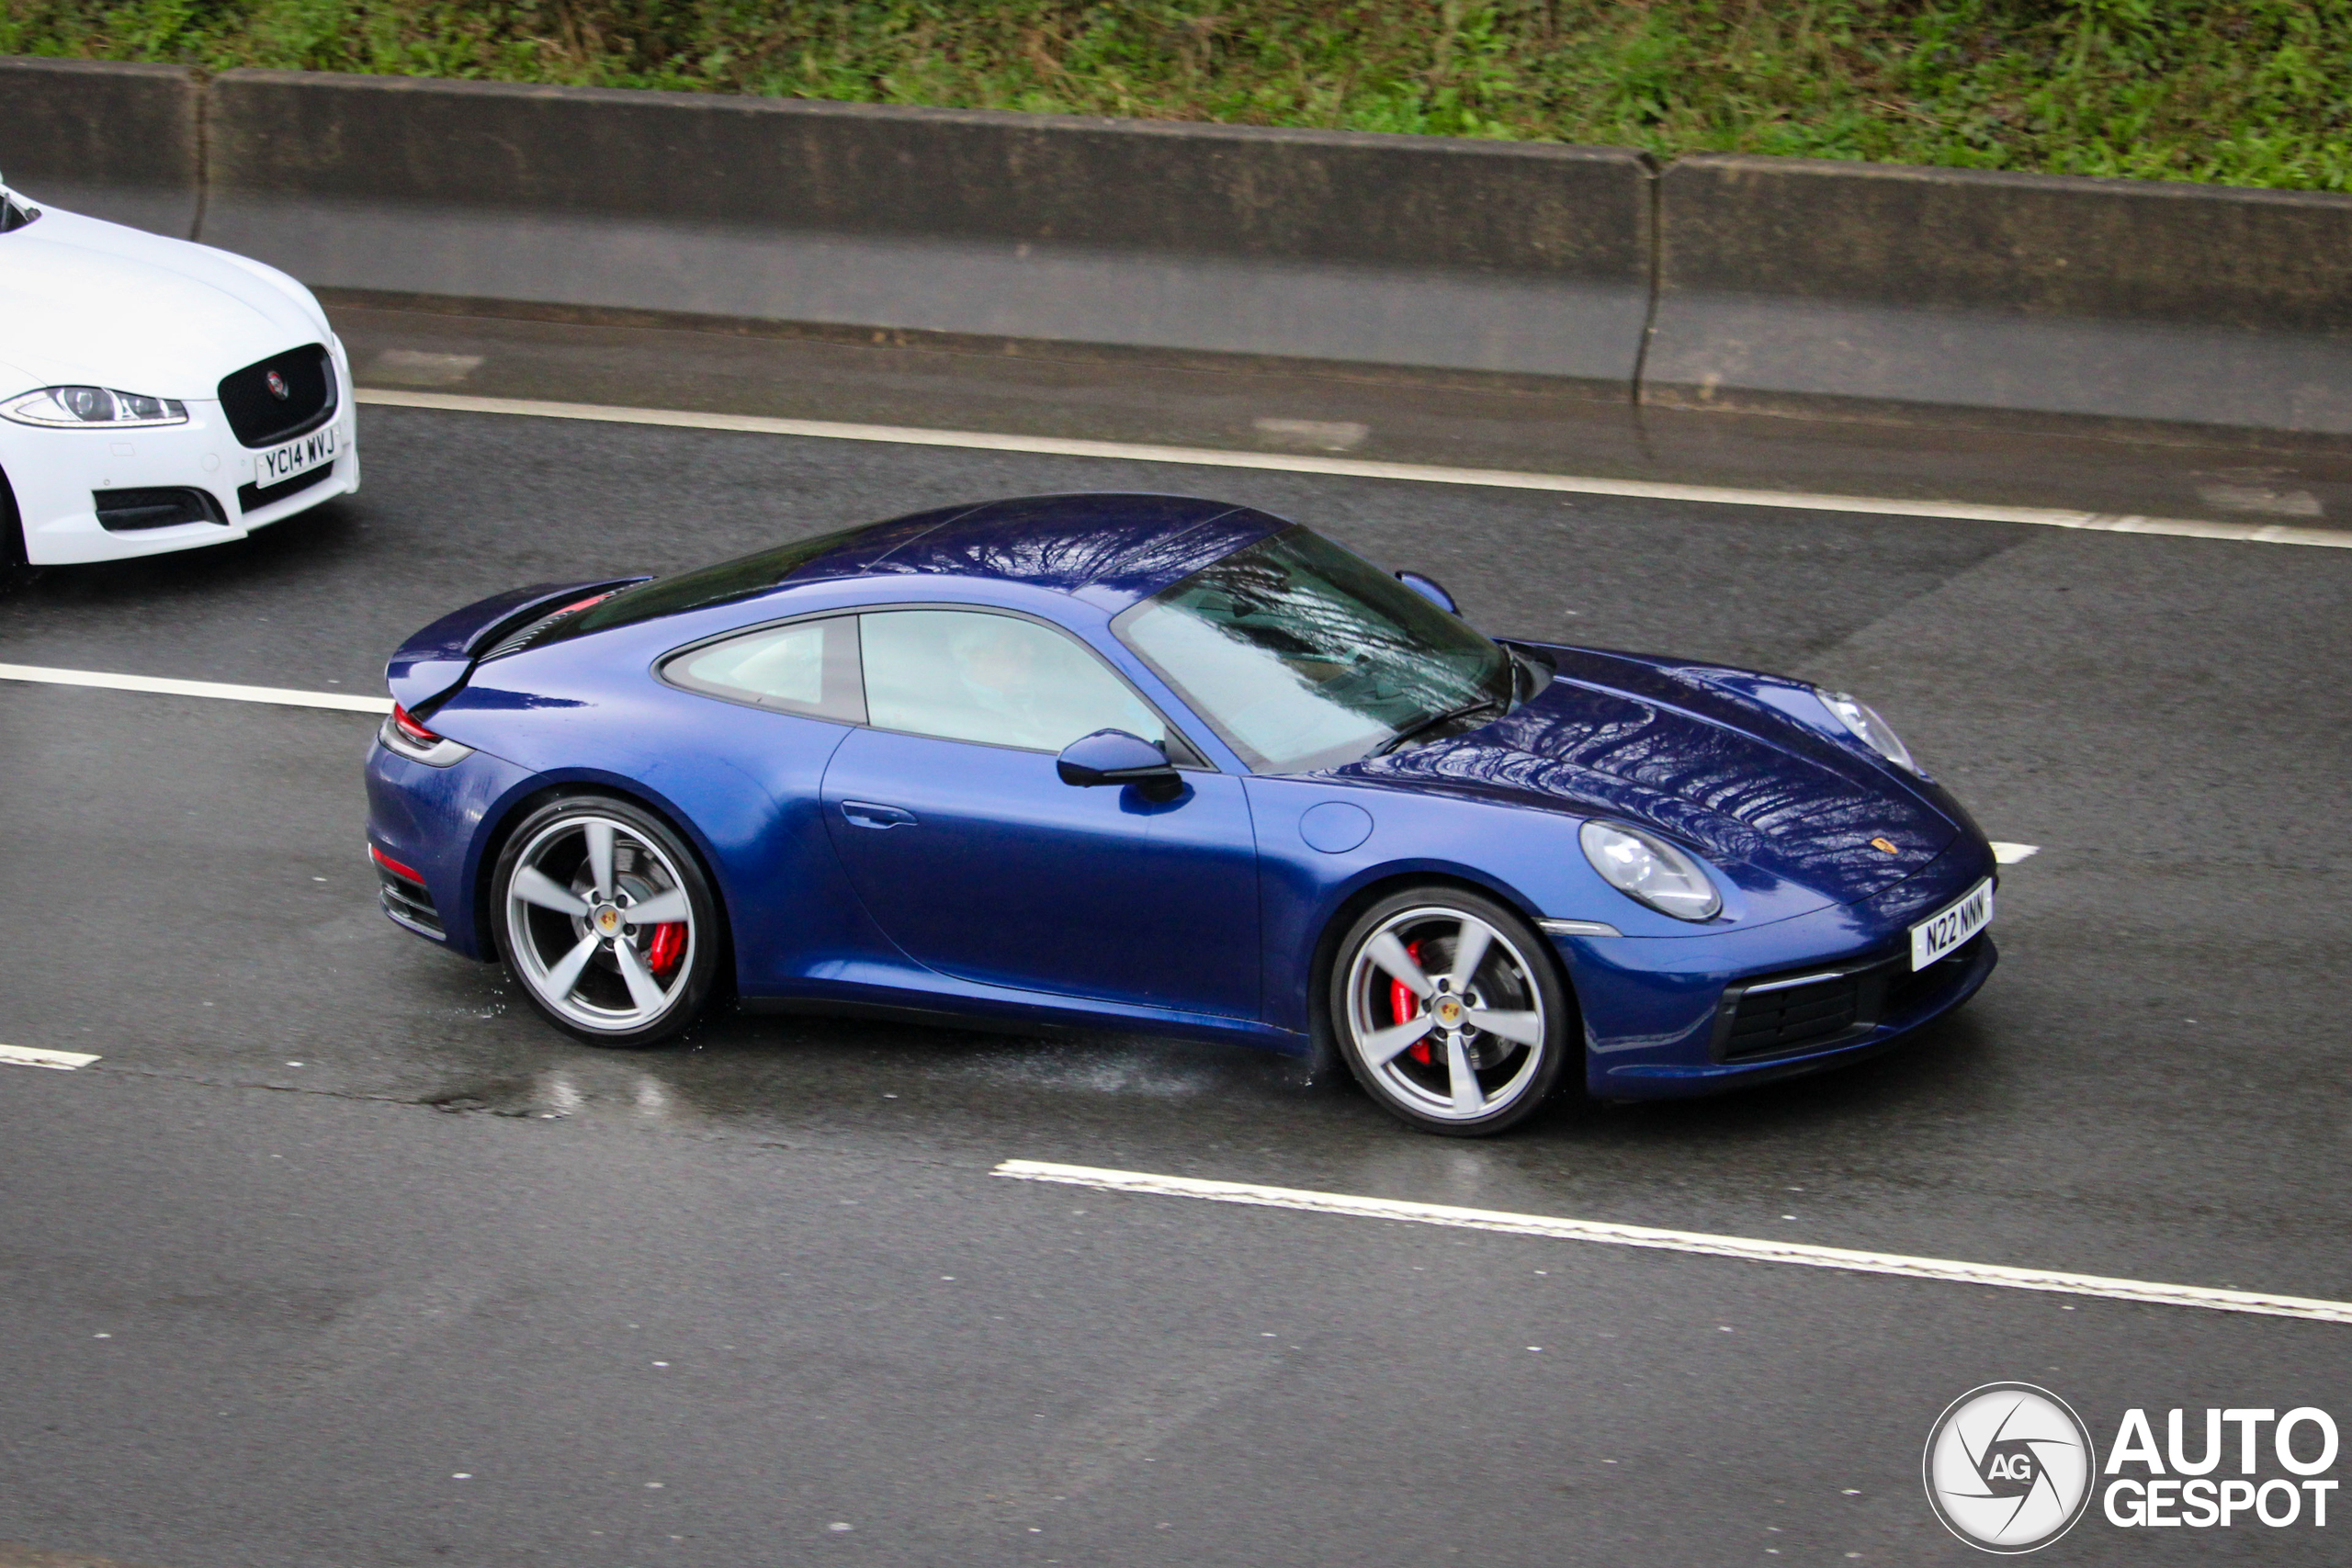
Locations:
(86, 301)
(1673, 748)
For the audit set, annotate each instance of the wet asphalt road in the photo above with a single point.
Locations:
(354, 1225)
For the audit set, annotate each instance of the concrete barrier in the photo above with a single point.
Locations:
(116, 141)
(1751, 283)
(1398, 251)
(1801, 286)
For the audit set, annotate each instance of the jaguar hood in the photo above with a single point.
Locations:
(86, 301)
(1700, 754)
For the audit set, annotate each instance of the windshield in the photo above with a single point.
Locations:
(1301, 656)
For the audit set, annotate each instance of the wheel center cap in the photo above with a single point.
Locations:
(1449, 1012)
(607, 920)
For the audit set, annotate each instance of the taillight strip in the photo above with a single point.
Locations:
(395, 868)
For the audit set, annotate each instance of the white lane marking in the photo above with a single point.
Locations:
(1751, 1249)
(283, 695)
(35, 1057)
(2009, 854)
(1358, 468)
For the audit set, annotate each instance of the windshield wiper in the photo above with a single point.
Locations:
(1435, 719)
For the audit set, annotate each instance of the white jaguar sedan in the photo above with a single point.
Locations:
(154, 394)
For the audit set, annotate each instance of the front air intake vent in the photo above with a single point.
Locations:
(131, 511)
(1814, 1009)
(1773, 1018)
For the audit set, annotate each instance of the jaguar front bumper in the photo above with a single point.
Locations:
(62, 477)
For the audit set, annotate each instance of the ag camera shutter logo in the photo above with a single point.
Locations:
(2008, 1467)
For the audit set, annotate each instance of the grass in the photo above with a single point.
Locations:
(2238, 92)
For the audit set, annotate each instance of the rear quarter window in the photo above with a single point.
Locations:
(802, 667)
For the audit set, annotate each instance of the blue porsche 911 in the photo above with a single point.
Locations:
(1143, 761)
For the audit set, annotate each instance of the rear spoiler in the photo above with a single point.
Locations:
(436, 661)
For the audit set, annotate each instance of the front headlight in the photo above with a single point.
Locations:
(1650, 869)
(84, 406)
(1868, 728)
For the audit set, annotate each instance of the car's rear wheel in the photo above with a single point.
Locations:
(1449, 1012)
(606, 921)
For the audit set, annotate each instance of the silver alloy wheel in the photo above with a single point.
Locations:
(587, 911)
(1478, 1014)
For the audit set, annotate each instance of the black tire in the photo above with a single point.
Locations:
(1514, 1025)
(568, 962)
(14, 551)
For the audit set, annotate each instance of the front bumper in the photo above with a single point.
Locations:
(1667, 1017)
(55, 475)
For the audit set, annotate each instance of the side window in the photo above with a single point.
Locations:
(997, 680)
(807, 667)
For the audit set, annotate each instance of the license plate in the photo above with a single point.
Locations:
(299, 455)
(1951, 925)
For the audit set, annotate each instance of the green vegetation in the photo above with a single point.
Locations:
(2243, 92)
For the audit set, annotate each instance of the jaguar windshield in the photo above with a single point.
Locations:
(1301, 656)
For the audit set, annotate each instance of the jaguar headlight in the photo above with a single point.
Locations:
(1648, 870)
(88, 407)
(1868, 728)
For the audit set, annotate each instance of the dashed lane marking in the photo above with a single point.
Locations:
(1747, 1249)
(2009, 854)
(282, 695)
(1359, 467)
(35, 1057)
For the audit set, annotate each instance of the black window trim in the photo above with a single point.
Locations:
(1194, 760)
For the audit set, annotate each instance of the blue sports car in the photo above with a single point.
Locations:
(1151, 762)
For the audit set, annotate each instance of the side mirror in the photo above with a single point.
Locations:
(1115, 757)
(1431, 589)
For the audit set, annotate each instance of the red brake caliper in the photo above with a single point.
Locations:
(669, 944)
(1404, 1006)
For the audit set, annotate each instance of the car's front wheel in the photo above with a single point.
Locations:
(13, 552)
(1449, 1013)
(606, 921)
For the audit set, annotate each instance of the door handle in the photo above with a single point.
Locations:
(866, 814)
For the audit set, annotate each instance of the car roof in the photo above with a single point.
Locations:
(1111, 548)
